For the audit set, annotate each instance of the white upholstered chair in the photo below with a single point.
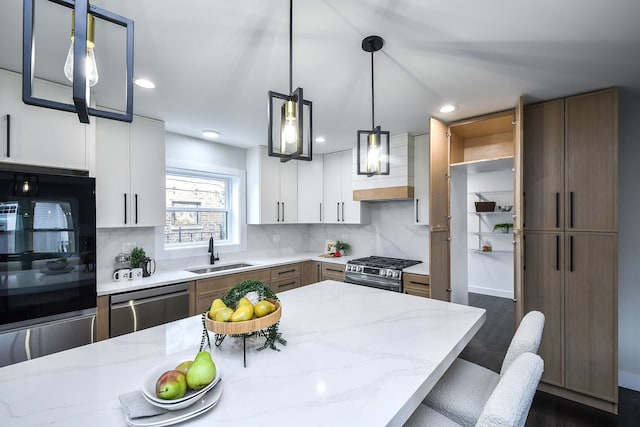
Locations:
(507, 406)
(464, 389)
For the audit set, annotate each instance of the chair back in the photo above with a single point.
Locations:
(526, 339)
(510, 401)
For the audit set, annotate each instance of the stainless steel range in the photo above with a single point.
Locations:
(377, 272)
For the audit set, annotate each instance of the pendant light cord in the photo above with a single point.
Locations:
(372, 97)
(291, 47)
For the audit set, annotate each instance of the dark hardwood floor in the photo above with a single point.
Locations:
(488, 348)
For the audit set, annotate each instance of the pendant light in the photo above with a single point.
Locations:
(373, 145)
(91, 68)
(79, 66)
(290, 117)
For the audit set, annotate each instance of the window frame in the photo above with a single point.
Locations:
(236, 230)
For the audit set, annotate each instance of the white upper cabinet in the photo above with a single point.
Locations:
(130, 173)
(310, 190)
(41, 136)
(421, 180)
(339, 206)
(272, 188)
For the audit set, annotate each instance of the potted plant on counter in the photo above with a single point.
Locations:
(136, 256)
(342, 248)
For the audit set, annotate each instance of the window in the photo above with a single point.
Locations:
(199, 205)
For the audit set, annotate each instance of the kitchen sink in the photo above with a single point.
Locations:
(213, 269)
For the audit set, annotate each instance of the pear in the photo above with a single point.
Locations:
(242, 313)
(202, 371)
(216, 305)
(171, 385)
(184, 366)
(223, 314)
(264, 307)
(243, 301)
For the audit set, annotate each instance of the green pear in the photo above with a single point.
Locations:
(184, 366)
(171, 385)
(202, 371)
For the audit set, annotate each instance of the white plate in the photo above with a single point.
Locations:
(202, 405)
(150, 379)
(186, 401)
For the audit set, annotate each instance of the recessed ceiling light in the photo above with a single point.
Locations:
(320, 139)
(210, 134)
(147, 84)
(448, 108)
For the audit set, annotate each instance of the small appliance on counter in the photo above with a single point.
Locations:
(148, 266)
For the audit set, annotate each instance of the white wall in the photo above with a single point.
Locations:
(629, 241)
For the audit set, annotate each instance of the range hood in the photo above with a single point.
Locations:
(398, 185)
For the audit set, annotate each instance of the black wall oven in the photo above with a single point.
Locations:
(47, 247)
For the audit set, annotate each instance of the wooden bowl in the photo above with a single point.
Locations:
(247, 326)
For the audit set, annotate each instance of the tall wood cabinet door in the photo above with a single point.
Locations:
(543, 166)
(543, 291)
(517, 212)
(439, 263)
(591, 161)
(591, 314)
(438, 175)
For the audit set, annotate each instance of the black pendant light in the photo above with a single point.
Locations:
(293, 126)
(80, 51)
(373, 145)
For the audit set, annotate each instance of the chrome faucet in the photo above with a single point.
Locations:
(214, 255)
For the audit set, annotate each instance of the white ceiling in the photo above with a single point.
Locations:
(213, 61)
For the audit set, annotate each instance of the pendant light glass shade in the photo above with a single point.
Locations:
(91, 68)
(290, 121)
(373, 150)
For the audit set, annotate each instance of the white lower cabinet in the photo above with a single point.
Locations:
(40, 136)
(130, 173)
(339, 206)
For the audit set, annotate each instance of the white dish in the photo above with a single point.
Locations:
(149, 386)
(206, 401)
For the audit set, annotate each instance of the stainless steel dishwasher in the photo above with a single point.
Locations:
(136, 310)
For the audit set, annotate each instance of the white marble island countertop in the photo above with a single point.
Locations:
(355, 356)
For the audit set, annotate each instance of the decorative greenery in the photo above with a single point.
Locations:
(233, 295)
(136, 256)
(504, 226)
(343, 246)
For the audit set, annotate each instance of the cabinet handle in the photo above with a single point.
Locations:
(282, 211)
(136, 200)
(557, 253)
(320, 216)
(571, 254)
(417, 201)
(318, 276)
(557, 210)
(342, 211)
(287, 271)
(287, 284)
(8, 135)
(278, 210)
(338, 211)
(125, 208)
(571, 208)
(334, 270)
